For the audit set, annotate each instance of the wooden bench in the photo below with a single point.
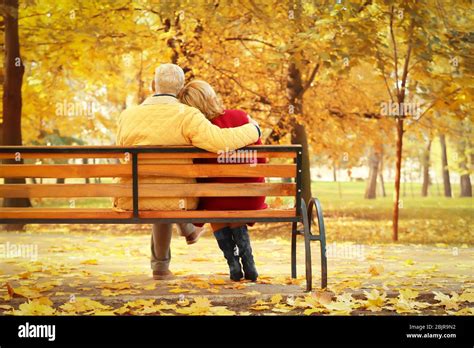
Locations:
(36, 162)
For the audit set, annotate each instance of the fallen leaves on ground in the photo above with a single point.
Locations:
(106, 275)
(202, 306)
(375, 300)
(83, 305)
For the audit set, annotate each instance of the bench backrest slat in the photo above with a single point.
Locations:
(147, 190)
(159, 170)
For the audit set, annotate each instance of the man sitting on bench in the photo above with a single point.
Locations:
(162, 120)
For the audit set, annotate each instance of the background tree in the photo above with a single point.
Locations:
(12, 100)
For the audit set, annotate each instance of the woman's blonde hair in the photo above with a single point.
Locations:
(201, 95)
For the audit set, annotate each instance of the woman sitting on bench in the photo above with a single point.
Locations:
(233, 239)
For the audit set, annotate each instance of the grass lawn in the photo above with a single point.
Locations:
(432, 219)
(350, 217)
(349, 201)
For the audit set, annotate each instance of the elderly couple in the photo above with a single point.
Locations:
(191, 115)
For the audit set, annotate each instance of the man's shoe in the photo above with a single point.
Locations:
(194, 237)
(163, 275)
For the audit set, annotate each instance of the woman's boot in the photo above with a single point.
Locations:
(227, 245)
(242, 239)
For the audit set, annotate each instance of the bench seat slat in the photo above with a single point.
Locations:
(147, 190)
(78, 213)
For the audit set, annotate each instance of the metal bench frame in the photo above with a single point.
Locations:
(304, 212)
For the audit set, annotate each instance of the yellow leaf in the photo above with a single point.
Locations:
(90, 262)
(376, 270)
(45, 301)
(165, 306)
(45, 286)
(276, 299)
(467, 296)
(22, 291)
(116, 286)
(339, 308)
(260, 308)
(151, 286)
(35, 307)
(403, 305)
(347, 284)
(449, 302)
(310, 311)
(253, 293)
(375, 300)
(201, 306)
(104, 313)
(83, 304)
(464, 311)
(179, 290)
(183, 302)
(221, 310)
(109, 293)
(408, 294)
(202, 302)
(217, 281)
(24, 275)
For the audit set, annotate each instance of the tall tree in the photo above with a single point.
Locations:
(374, 164)
(465, 180)
(426, 168)
(12, 102)
(381, 168)
(464, 151)
(413, 49)
(295, 88)
(444, 166)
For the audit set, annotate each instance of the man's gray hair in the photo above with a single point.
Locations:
(169, 78)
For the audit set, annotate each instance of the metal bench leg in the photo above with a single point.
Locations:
(307, 246)
(294, 234)
(322, 240)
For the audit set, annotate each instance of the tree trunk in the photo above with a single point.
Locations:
(141, 93)
(444, 162)
(294, 88)
(14, 70)
(401, 93)
(334, 172)
(299, 136)
(374, 161)
(404, 183)
(398, 168)
(466, 187)
(426, 170)
(382, 182)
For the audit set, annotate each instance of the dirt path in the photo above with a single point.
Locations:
(57, 268)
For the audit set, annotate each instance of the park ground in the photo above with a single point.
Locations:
(104, 269)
